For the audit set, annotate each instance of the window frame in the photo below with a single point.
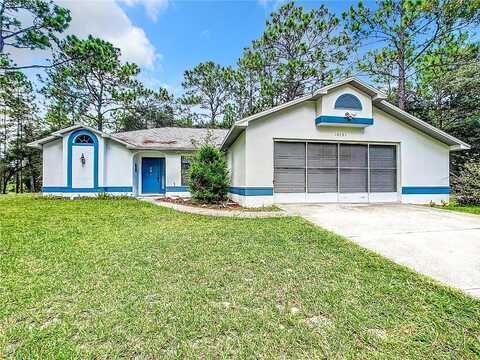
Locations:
(351, 98)
(184, 160)
(88, 142)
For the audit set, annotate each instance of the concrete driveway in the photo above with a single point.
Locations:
(439, 243)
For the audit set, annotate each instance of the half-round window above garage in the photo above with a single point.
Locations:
(348, 102)
(83, 139)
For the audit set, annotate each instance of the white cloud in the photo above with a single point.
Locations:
(205, 34)
(274, 4)
(152, 7)
(263, 3)
(104, 19)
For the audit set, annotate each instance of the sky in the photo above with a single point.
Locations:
(167, 37)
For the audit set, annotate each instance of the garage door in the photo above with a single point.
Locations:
(316, 171)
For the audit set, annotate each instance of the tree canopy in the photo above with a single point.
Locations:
(45, 21)
(94, 83)
(424, 53)
(405, 33)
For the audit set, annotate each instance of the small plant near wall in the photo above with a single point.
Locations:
(468, 185)
(208, 177)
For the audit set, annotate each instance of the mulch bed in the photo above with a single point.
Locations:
(229, 205)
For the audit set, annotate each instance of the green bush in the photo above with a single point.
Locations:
(208, 177)
(468, 186)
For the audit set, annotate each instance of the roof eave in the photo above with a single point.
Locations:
(275, 109)
(375, 94)
(232, 135)
(159, 148)
(38, 144)
(363, 86)
(454, 143)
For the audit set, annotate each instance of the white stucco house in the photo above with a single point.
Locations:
(82, 161)
(342, 143)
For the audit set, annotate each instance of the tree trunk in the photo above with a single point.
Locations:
(401, 88)
(32, 184)
(17, 180)
(99, 122)
(401, 62)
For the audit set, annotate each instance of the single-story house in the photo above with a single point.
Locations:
(343, 143)
(82, 161)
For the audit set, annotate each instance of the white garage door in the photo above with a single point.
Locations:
(335, 172)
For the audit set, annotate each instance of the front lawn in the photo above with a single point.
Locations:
(455, 207)
(124, 278)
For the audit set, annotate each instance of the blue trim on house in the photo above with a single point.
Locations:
(71, 140)
(425, 190)
(251, 191)
(177, 189)
(327, 119)
(66, 189)
(348, 102)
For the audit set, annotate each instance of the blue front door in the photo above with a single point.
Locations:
(153, 174)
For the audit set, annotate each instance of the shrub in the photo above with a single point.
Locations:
(208, 177)
(468, 186)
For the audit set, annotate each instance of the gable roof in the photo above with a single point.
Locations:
(167, 138)
(60, 133)
(171, 138)
(378, 100)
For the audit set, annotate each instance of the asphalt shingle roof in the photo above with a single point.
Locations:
(172, 138)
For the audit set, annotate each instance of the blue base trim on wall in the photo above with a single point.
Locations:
(425, 190)
(65, 189)
(325, 119)
(177, 189)
(251, 191)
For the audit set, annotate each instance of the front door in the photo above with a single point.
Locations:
(153, 175)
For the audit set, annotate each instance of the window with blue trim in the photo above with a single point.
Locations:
(348, 101)
(83, 139)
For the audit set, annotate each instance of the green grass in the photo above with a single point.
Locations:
(455, 207)
(127, 279)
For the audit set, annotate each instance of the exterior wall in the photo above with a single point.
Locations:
(326, 104)
(239, 192)
(423, 161)
(236, 162)
(119, 169)
(83, 175)
(53, 174)
(117, 166)
(173, 173)
(64, 175)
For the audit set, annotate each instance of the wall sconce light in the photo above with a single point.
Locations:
(82, 160)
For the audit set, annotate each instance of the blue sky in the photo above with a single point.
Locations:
(186, 33)
(167, 37)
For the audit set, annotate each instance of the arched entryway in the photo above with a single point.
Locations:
(82, 172)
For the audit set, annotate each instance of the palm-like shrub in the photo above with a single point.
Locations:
(468, 186)
(208, 176)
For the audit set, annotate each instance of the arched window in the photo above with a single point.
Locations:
(83, 139)
(348, 101)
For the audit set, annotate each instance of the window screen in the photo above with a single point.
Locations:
(383, 168)
(353, 168)
(289, 167)
(185, 166)
(322, 162)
